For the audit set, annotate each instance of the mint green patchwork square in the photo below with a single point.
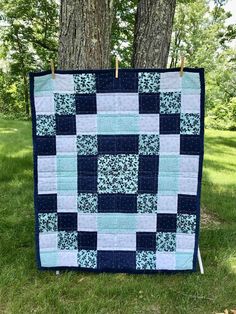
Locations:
(122, 124)
(48, 259)
(43, 85)
(191, 80)
(47, 222)
(190, 123)
(87, 258)
(66, 165)
(168, 185)
(85, 83)
(67, 185)
(145, 260)
(45, 125)
(116, 223)
(148, 82)
(169, 165)
(184, 261)
(65, 104)
(87, 203)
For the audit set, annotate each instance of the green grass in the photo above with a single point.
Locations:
(24, 289)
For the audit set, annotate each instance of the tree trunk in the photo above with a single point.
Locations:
(85, 34)
(152, 35)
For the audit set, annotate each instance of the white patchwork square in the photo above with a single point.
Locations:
(165, 261)
(48, 241)
(67, 258)
(125, 242)
(67, 203)
(47, 164)
(167, 204)
(86, 124)
(64, 83)
(117, 102)
(169, 144)
(66, 144)
(149, 123)
(190, 103)
(170, 81)
(185, 242)
(188, 185)
(47, 184)
(44, 105)
(87, 222)
(189, 164)
(146, 222)
(113, 241)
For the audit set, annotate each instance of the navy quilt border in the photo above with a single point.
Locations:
(201, 158)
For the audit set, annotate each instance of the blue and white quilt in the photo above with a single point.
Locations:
(117, 169)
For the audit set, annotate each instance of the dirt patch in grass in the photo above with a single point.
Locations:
(209, 219)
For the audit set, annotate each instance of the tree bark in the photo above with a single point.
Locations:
(152, 34)
(85, 34)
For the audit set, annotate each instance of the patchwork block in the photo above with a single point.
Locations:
(85, 83)
(117, 169)
(45, 125)
(64, 104)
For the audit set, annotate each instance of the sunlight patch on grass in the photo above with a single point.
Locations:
(8, 130)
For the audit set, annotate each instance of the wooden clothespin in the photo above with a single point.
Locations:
(117, 67)
(53, 70)
(181, 72)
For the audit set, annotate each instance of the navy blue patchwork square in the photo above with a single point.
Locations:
(65, 125)
(87, 184)
(166, 222)
(149, 103)
(127, 144)
(67, 222)
(105, 260)
(105, 82)
(87, 165)
(86, 104)
(106, 144)
(127, 203)
(148, 165)
(187, 204)
(107, 203)
(125, 260)
(190, 145)
(47, 203)
(45, 145)
(147, 184)
(128, 81)
(169, 123)
(87, 240)
(146, 241)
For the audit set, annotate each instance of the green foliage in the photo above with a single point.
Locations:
(28, 43)
(201, 33)
(123, 31)
(223, 116)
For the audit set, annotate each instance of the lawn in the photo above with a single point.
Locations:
(24, 289)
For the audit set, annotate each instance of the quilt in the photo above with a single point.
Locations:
(117, 169)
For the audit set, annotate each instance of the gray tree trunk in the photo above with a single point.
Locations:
(85, 34)
(152, 35)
